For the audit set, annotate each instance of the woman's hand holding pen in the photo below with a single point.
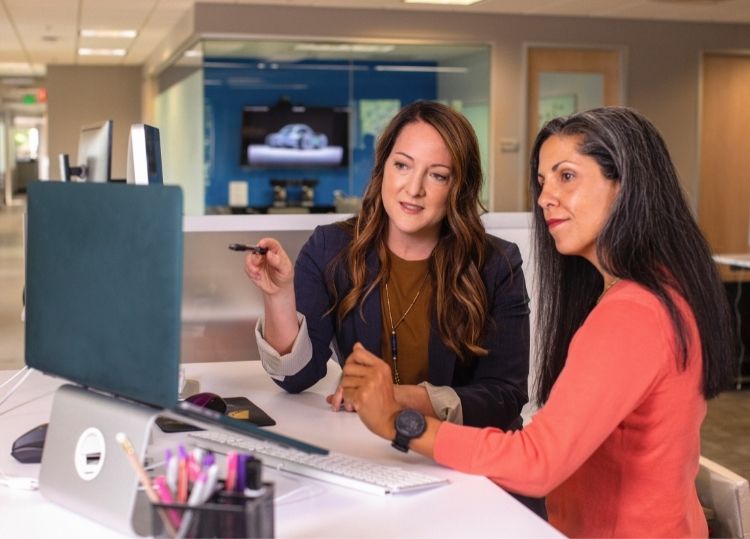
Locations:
(367, 384)
(272, 272)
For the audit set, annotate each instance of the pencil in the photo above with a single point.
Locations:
(143, 477)
(139, 471)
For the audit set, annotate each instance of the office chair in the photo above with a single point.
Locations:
(728, 495)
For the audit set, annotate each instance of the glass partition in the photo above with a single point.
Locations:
(289, 126)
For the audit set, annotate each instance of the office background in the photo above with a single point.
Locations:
(664, 64)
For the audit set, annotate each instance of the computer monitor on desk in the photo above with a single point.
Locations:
(94, 155)
(144, 156)
(103, 293)
(103, 287)
(104, 290)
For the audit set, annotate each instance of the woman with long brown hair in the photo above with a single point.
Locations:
(413, 277)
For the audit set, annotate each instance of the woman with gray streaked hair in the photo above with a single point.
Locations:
(634, 331)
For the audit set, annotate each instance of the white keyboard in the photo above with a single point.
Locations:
(336, 468)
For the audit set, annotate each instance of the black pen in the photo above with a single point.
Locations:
(252, 248)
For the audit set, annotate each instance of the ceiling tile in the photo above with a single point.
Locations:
(36, 19)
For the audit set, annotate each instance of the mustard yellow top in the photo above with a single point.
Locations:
(413, 333)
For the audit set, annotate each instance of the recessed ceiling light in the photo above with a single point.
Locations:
(89, 32)
(84, 51)
(193, 53)
(343, 47)
(690, 2)
(421, 69)
(22, 69)
(444, 2)
(17, 81)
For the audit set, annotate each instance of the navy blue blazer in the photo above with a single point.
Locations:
(492, 388)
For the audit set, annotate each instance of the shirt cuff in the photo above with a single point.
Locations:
(278, 366)
(445, 402)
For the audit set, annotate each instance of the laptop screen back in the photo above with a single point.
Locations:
(104, 285)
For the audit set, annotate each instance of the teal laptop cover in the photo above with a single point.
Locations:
(104, 286)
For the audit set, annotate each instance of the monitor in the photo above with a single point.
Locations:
(295, 136)
(104, 266)
(144, 155)
(94, 155)
(104, 287)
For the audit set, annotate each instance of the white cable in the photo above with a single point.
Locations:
(18, 483)
(16, 386)
(18, 372)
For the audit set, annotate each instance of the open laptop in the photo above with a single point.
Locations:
(104, 267)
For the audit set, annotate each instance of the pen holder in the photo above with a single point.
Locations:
(226, 514)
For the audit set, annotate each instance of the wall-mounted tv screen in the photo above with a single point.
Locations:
(295, 136)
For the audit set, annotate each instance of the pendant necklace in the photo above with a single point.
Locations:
(394, 340)
(606, 288)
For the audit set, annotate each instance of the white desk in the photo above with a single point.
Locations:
(471, 506)
(740, 260)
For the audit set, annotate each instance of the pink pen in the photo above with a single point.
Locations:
(231, 471)
(165, 496)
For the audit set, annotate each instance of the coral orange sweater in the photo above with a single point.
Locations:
(615, 448)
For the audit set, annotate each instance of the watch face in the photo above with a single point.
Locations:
(410, 423)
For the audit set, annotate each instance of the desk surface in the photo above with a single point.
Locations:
(470, 506)
(740, 260)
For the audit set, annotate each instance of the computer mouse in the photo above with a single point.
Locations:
(212, 401)
(29, 446)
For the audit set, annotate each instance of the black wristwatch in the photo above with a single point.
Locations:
(409, 424)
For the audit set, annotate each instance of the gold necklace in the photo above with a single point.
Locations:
(607, 287)
(394, 340)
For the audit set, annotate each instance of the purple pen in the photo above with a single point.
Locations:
(241, 475)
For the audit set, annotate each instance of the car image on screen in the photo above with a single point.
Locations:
(297, 136)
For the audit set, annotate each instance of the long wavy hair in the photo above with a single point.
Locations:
(650, 237)
(456, 263)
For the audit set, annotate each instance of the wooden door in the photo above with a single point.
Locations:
(724, 188)
(605, 63)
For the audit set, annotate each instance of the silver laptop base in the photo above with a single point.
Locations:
(85, 469)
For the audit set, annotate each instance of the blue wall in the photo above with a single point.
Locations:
(231, 85)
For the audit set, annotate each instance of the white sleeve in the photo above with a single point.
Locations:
(445, 402)
(278, 366)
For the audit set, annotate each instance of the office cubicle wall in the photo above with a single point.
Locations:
(220, 305)
(516, 227)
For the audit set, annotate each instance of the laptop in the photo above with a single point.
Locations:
(103, 287)
(104, 267)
